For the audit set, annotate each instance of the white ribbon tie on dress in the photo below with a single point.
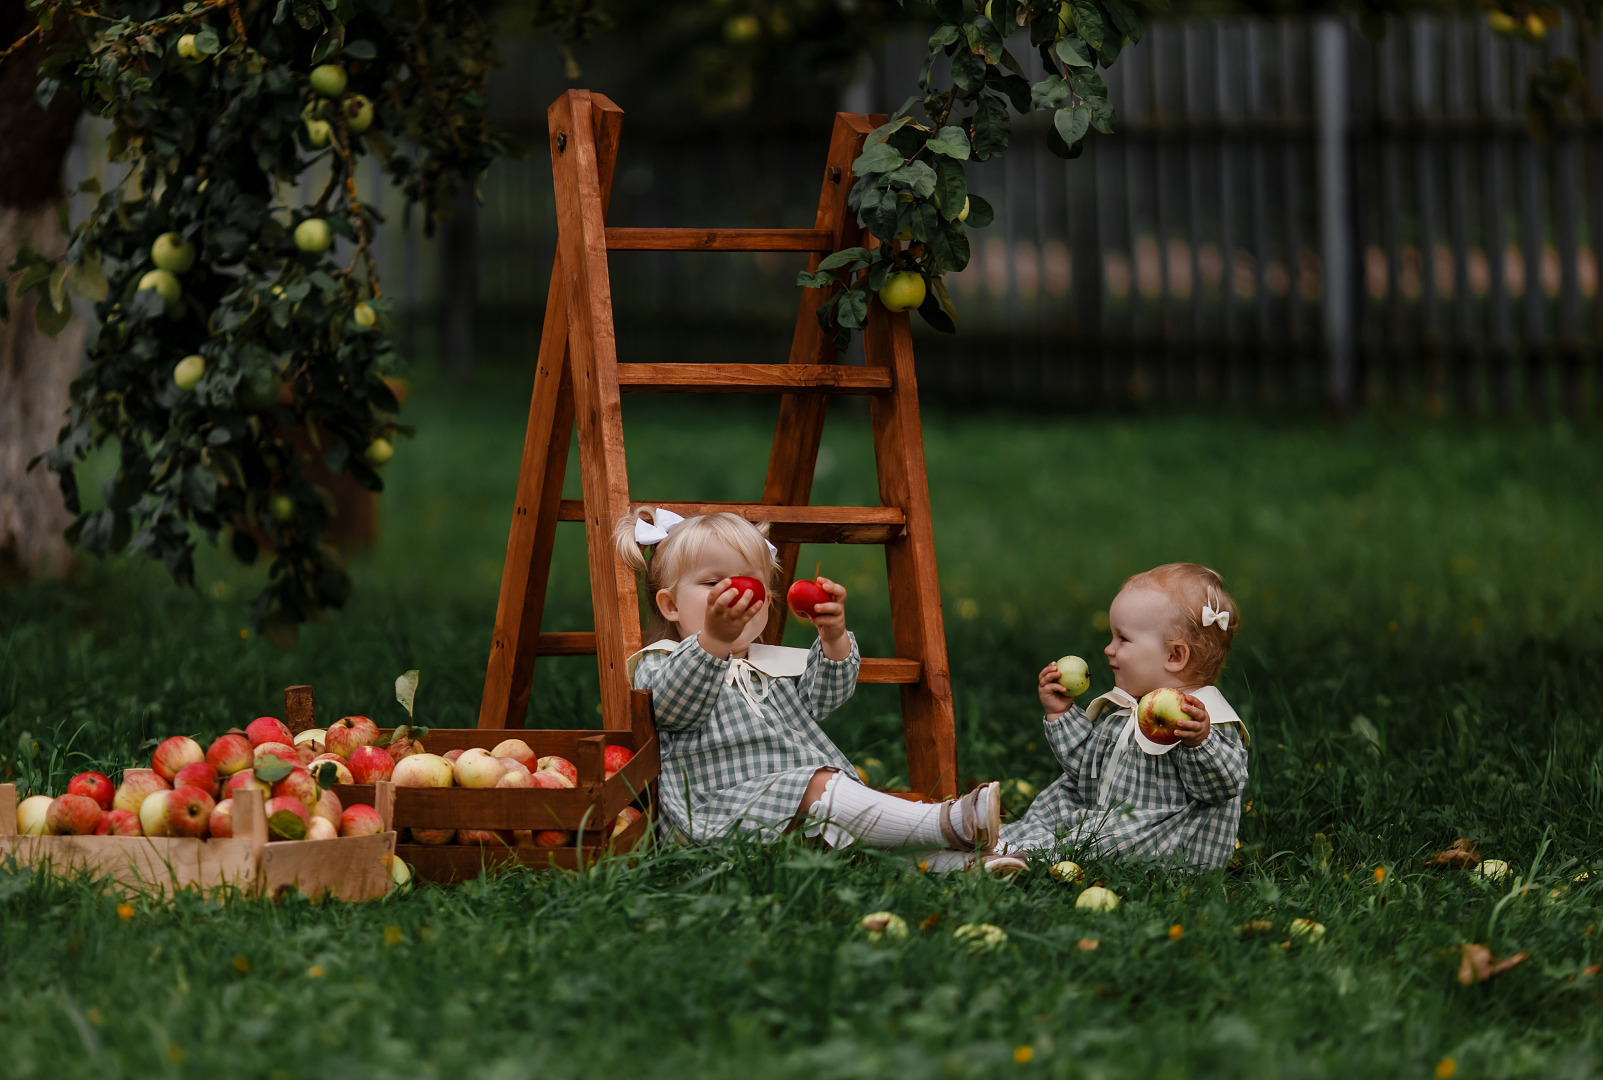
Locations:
(1210, 616)
(749, 680)
(663, 522)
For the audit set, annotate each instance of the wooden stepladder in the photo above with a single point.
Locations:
(580, 380)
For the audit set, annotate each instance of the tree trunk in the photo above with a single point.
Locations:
(35, 370)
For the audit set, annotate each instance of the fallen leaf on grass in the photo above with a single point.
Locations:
(1087, 944)
(930, 920)
(1592, 969)
(1462, 855)
(1478, 964)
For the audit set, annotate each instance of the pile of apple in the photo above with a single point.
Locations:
(188, 791)
(509, 764)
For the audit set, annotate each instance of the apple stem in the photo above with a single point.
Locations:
(817, 566)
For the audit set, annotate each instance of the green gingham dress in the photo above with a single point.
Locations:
(740, 738)
(1183, 807)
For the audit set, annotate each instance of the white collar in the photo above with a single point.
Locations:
(775, 661)
(1219, 712)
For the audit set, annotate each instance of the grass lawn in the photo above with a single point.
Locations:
(1420, 660)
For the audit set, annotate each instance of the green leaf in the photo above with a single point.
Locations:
(361, 49)
(327, 774)
(991, 128)
(1049, 93)
(809, 280)
(944, 35)
(854, 309)
(1072, 124)
(933, 313)
(1088, 84)
(918, 176)
(1102, 116)
(980, 213)
(1088, 21)
(270, 770)
(1073, 52)
(406, 689)
(207, 43)
(51, 320)
(88, 280)
(878, 158)
(842, 258)
(951, 186)
(950, 141)
(985, 39)
(948, 249)
(1124, 17)
(968, 72)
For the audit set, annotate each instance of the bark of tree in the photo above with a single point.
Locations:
(35, 370)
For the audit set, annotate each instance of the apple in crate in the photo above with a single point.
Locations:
(477, 769)
(369, 765)
(433, 837)
(97, 786)
(517, 749)
(307, 752)
(228, 754)
(153, 813)
(189, 811)
(553, 838)
(118, 823)
(73, 815)
(198, 774)
(246, 779)
(328, 808)
(317, 736)
(321, 829)
(173, 754)
(282, 751)
(136, 785)
(545, 778)
(516, 778)
(221, 825)
(268, 729)
(403, 746)
(360, 820)
(562, 766)
(347, 733)
(626, 817)
(472, 837)
(297, 785)
(1159, 713)
(452, 755)
(343, 773)
(287, 819)
(513, 765)
(615, 758)
(422, 770)
(400, 873)
(31, 815)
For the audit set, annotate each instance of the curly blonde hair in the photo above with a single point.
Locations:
(1190, 586)
(675, 556)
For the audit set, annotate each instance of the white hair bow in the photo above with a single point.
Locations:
(1210, 616)
(662, 523)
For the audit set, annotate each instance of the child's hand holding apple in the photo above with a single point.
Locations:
(828, 617)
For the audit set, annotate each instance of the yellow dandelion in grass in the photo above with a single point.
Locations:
(1445, 1068)
(1176, 931)
(1022, 1055)
(93, 1016)
(315, 971)
(1380, 874)
(242, 964)
(125, 912)
(393, 935)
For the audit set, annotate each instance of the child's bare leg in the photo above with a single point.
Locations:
(814, 792)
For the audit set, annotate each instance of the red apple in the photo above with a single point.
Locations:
(198, 774)
(297, 785)
(321, 829)
(626, 817)
(287, 818)
(73, 815)
(136, 785)
(515, 778)
(342, 771)
(221, 825)
(245, 779)
(470, 837)
(97, 786)
(614, 758)
(403, 746)
(1159, 713)
(266, 729)
(370, 764)
(452, 755)
(328, 808)
(433, 837)
(346, 734)
(553, 838)
(547, 778)
(228, 754)
(282, 751)
(173, 754)
(805, 596)
(515, 748)
(561, 765)
(360, 820)
(742, 585)
(513, 765)
(307, 752)
(189, 811)
(118, 823)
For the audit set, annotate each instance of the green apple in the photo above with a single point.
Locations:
(319, 132)
(378, 452)
(163, 282)
(282, 507)
(313, 235)
(328, 80)
(962, 215)
(1074, 675)
(1096, 898)
(902, 290)
(1065, 18)
(358, 114)
(172, 252)
(189, 371)
(742, 28)
(1160, 713)
(189, 50)
(364, 316)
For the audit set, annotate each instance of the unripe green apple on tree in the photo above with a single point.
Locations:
(171, 252)
(313, 236)
(902, 290)
(318, 132)
(364, 316)
(358, 114)
(189, 371)
(378, 452)
(164, 283)
(189, 50)
(328, 80)
(282, 507)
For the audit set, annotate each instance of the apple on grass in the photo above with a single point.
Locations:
(118, 823)
(287, 818)
(228, 754)
(477, 769)
(369, 765)
(400, 873)
(268, 729)
(136, 785)
(346, 734)
(73, 815)
(360, 820)
(1074, 675)
(198, 774)
(626, 817)
(516, 749)
(173, 754)
(804, 597)
(1160, 713)
(221, 825)
(422, 770)
(561, 766)
(614, 758)
(433, 837)
(32, 813)
(97, 786)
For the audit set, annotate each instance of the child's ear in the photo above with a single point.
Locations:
(666, 605)
(1179, 657)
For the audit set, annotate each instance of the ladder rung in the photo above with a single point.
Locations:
(753, 378)
(719, 240)
(874, 670)
(790, 524)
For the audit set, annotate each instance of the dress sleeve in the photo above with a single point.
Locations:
(684, 683)
(1215, 772)
(826, 684)
(1068, 736)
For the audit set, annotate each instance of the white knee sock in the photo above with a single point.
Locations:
(849, 811)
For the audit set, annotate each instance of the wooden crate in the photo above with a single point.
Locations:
(347, 868)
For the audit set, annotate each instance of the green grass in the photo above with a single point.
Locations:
(1420, 660)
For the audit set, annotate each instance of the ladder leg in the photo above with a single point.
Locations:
(927, 716)
(592, 351)
(801, 416)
